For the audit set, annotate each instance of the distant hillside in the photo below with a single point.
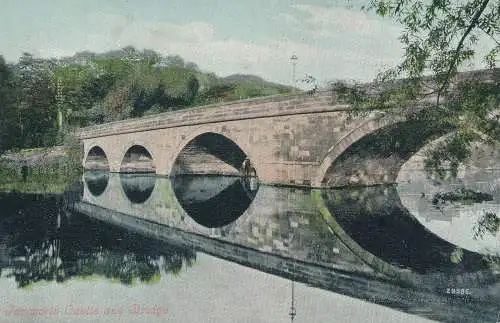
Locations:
(244, 78)
(249, 86)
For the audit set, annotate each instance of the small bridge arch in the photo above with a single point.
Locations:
(96, 159)
(137, 157)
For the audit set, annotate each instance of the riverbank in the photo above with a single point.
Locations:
(39, 170)
(35, 156)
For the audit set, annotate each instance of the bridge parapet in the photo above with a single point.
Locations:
(320, 101)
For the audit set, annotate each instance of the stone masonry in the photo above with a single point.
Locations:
(289, 140)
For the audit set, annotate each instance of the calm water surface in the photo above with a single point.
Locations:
(143, 248)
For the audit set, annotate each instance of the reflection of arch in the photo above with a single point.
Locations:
(96, 182)
(431, 267)
(137, 159)
(137, 187)
(212, 201)
(209, 153)
(372, 261)
(96, 159)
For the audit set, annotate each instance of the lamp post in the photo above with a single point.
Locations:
(59, 97)
(293, 59)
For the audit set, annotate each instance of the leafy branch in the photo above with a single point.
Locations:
(438, 36)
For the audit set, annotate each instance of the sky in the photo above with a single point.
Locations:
(333, 39)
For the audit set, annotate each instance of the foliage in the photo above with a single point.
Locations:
(35, 103)
(238, 87)
(91, 88)
(466, 196)
(49, 248)
(43, 175)
(7, 111)
(489, 222)
(53, 177)
(439, 38)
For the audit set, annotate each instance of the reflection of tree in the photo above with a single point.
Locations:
(466, 196)
(493, 261)
(489, 222)
(174, 263)
(130, 267)
(49, 261)
(44, 263)
(38, 251)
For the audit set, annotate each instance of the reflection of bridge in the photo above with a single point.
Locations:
(281, 229)
(299, 140)
(361, 284)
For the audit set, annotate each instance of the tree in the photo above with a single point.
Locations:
(192, 66)
(35, 103)
(174, 61)
(7, 108)
(192, 87)
(440, 37)
(151, 56)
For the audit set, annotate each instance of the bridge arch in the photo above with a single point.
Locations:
(136, 157)
(349, 139)
(375, 151)
(233, 156)
(96, 159)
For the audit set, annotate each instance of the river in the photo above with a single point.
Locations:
(135, 248)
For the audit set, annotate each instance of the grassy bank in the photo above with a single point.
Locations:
(41, 170)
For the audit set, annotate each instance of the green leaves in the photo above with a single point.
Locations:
(491, 57)
(439, 37)
(488, 223)
(436, 33)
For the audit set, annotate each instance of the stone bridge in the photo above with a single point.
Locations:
(299, 140)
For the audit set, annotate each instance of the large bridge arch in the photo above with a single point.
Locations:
(348, 140)
(374, 152)
(240, 150)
